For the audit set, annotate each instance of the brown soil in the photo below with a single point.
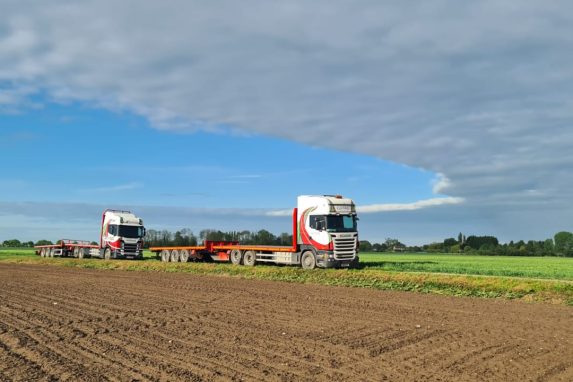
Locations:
(72, 324)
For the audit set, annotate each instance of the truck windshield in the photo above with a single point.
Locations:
(340, 223)
(130, 231)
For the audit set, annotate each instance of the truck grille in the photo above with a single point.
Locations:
(344, 247)
(130, 249)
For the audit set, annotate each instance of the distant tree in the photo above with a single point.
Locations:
(377, 247)
(392, 242)
(564, 243)
(434, 247)
(44, 242)
(548, 247)
(285, 239)
(12, 243)
(365, 246)
(449, 242)
(476, 242)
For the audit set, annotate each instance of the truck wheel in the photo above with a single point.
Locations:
(355, 264)
(307, 260)
(236, 257)
(107, 254)
(165, 255)
(174, 256)
(249, 258)
(184, 255)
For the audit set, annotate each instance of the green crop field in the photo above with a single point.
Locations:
(547, 279)
(560, 268)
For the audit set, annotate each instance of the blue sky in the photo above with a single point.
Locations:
(70, 153)
(435, 116)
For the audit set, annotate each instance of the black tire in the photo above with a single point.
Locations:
(174, 258)
(236, 257)
(308, 261)
(184, 255)
(355, 264)
(249, 258)
(165, 256)
(107, 254)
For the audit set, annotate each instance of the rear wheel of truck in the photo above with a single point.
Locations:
(184, 255)
(307, 261)
(107, 254)
(165, 255)
(249, 258)
(236, 257)
(174, 256)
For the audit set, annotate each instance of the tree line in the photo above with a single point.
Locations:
(560, 245)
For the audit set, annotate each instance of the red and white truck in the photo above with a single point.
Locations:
(325, 235)
(121, 237)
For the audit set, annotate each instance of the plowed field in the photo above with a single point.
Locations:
(74, 324)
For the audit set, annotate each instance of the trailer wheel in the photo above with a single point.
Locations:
(307, 260)
(174, 256)
(184, 255)
(107, 254)
(165, 255)
(249, 258)
(80, 253)
(76, 252)
(236, 257)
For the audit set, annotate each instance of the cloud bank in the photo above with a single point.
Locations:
(479, 92)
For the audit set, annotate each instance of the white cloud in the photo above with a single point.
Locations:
(119, 187)
(434, 202)
(440, 184)
(452, 87)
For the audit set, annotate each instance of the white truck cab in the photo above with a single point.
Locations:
(121, 236)
(327, 226)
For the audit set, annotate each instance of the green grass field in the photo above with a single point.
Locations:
(532, 279)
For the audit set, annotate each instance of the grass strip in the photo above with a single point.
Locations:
(550, 291)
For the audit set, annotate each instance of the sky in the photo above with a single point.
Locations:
(436, 117)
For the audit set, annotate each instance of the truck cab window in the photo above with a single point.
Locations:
(317, 222)
(112, 230)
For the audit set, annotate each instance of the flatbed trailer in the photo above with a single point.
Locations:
(324, 235)
(65, 248)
